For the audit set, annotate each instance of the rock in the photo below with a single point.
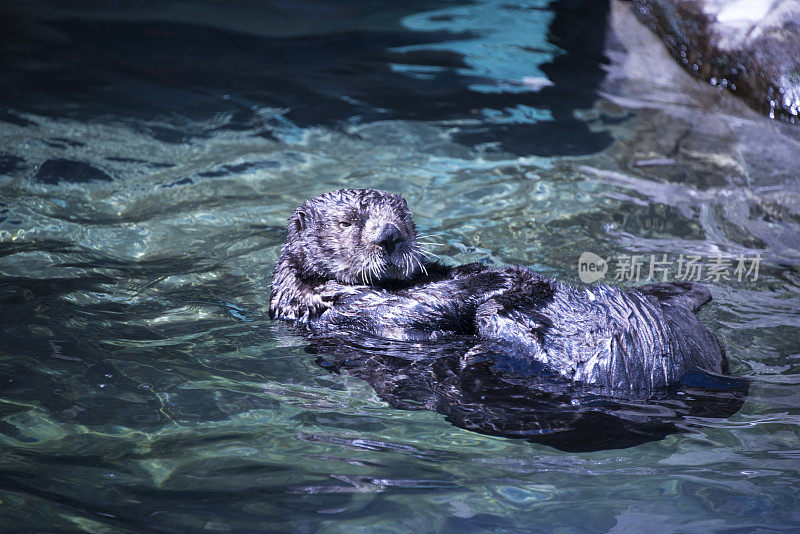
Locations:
(54, 171)
(749, 47)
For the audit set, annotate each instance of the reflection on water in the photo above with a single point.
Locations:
(476, 388)
(149, 157)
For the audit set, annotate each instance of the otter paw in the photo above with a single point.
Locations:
(331, 292)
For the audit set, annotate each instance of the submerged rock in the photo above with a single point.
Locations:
(749, 47)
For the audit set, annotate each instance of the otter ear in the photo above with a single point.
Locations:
(301, 219)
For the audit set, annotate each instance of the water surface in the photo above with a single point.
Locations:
(149, 158)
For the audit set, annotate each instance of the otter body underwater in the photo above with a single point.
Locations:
(351, 263)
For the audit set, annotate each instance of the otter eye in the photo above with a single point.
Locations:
(345, 224)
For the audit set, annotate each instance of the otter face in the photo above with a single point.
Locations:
(355, 236)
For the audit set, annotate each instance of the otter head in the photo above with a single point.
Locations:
(354, 236)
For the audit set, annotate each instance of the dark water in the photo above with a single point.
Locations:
(149, 157)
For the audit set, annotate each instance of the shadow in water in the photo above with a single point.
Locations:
(161, 77)
(471, 384)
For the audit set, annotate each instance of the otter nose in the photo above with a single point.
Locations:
(389, 237)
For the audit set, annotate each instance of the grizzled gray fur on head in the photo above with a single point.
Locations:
(349, 236)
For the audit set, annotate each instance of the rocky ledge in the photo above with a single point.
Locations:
(749, 47)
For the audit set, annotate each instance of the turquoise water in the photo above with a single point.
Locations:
(149, 158)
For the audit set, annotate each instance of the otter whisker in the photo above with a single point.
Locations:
(378, 269)
(427, 253)
(368, 271)
(421, 266)
(375, 272)
(430, 254)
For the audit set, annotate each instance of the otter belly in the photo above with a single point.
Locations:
(603, 336)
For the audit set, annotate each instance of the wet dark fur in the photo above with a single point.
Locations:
(343, 277)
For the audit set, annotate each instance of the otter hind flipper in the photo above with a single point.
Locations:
(690, 295)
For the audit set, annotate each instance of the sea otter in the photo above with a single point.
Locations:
(351, 262)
